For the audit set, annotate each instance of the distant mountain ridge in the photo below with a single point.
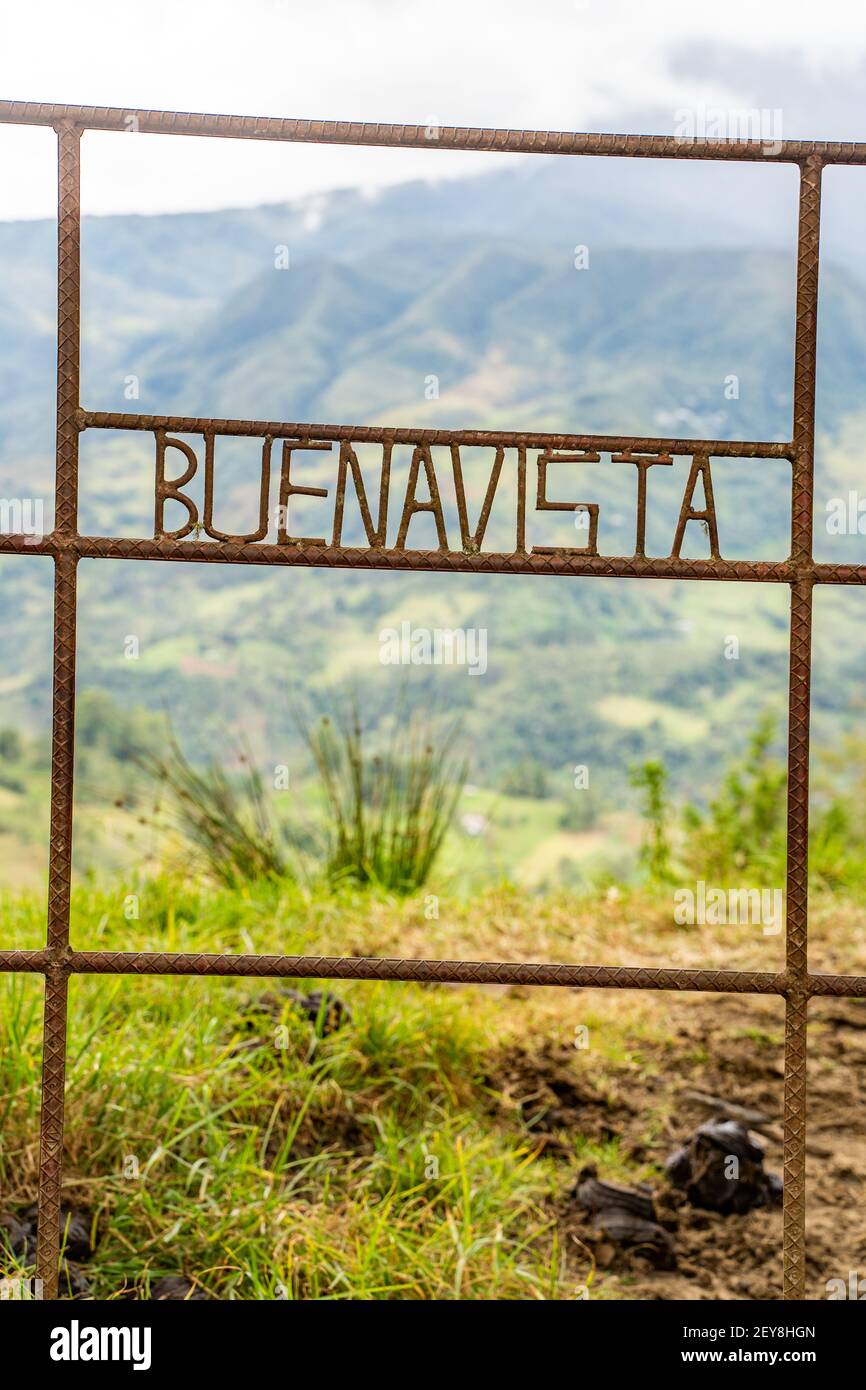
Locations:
(453, 304)
(147, 281)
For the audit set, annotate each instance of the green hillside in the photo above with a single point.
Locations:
(382, 296)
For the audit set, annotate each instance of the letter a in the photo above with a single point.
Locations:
(700, 469)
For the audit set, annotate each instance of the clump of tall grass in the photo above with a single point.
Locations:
(226, 820)
(387, 812)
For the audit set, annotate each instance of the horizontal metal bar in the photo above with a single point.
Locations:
(402, 434)
(854, 986)
(428, 136)
(482, 562)
(329, 557)
(28, 545)
(35, 962)
(838, 574)
(438, 971)
(445, 972)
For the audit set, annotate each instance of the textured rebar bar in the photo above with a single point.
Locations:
(437, 971)
(458, 562)
(799, 700)
(63, 706)
(467, 972)
(404, 434)
(430, 136)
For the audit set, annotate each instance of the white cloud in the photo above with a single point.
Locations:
(566, 64)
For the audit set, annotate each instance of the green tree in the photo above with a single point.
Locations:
(743, 829)
(651, 778)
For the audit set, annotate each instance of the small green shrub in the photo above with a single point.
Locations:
(387, 811)
(743, 829)
(226, 820)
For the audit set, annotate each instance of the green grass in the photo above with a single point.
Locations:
(234, 1144)
(262, 1159)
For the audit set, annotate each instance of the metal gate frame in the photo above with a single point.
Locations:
(58, 960)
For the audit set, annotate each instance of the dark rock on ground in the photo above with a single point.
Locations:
(73, 1282)
(19, 1229)
(175, 1288)
(323, 1009)
(18, 1236)
(75, 1233)
(627, 1217)
(321, 1004)
(721, 1168)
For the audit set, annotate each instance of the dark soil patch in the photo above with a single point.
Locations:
(174, 1288)
(543, 1090)
(335, 1129)
(18, 1232)
(327, 1012)
(729, 1047)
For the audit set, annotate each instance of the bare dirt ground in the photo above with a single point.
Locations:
(637, 1110)
(624, 1097)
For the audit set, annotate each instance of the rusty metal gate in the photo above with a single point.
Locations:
(58, 960)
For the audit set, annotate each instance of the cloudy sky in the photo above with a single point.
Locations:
(630, 65)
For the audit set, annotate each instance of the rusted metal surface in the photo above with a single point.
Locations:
(799, 699)
(63, 707)
(442, 971)
(57, 961)
(381, 434)
(317, 132)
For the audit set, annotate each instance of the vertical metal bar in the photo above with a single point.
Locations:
(805, 349)
(800, 667)
(63, 709)
(796, 999)
(51, 1130)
